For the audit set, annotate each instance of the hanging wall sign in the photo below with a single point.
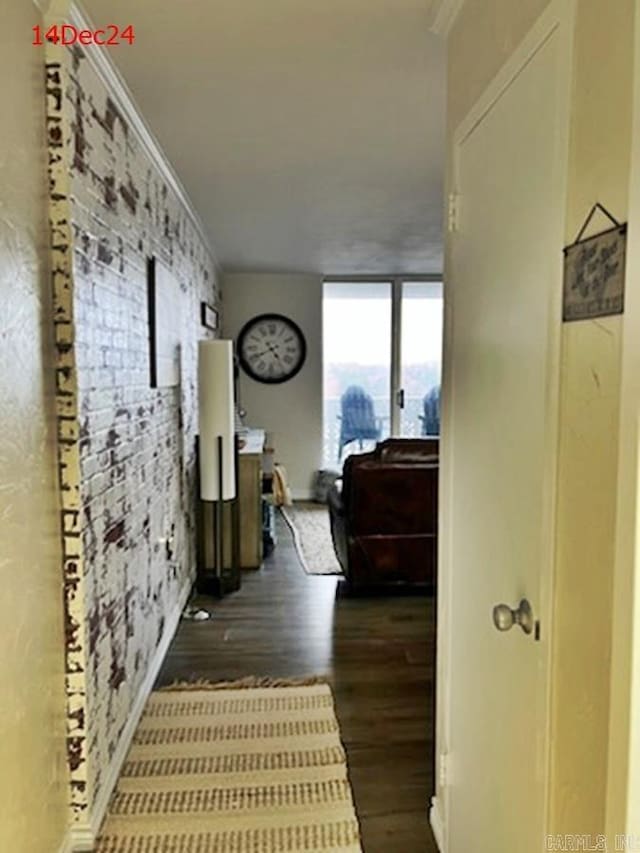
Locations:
(594, 272)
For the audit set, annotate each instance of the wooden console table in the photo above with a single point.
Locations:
(249, 510)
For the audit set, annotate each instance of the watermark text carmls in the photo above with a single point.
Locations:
(583, 842)
(576, 842)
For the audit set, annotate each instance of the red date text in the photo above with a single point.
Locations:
(67, 34)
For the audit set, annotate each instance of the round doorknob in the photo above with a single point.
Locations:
(505, 617)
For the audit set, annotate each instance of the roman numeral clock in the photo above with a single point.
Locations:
(271, 348)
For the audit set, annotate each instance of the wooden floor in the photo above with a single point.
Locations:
(378, 654)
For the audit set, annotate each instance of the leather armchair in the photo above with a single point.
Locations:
(384, 515)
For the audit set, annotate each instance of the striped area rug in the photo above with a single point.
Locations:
(237, 770)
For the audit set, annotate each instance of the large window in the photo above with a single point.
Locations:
(382, 343)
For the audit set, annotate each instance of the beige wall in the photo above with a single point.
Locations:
(292, 410)
(33, 787)
(484, 36)
(623, 772)
(599, 159)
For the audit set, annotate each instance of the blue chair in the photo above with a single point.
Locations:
(431, 408)
(358, 421)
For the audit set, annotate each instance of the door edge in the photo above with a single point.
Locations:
(559, 15)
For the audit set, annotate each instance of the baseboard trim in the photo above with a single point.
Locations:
(82, 838)
(83, 835)
(437, 823)
(66, 846)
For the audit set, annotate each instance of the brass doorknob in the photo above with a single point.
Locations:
(505, 617)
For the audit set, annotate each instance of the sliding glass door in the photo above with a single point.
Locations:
(356, 367)
(420, 358)
(382, 344)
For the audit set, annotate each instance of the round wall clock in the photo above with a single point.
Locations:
(271, 348)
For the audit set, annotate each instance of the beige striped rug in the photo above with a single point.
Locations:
(239, 770)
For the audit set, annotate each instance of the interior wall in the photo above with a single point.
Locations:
(292, 411)
(127, 459)
(623, 771)
(33, 780)
(484, 36)
(599, 161)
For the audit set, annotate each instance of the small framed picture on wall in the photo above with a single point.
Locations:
(208, 316)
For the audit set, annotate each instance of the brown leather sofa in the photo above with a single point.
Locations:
(384, 515)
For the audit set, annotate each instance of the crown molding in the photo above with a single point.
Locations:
(44, 6)
(99, 59)
(445, 17)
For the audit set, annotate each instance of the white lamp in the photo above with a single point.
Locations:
(218, 456)
(217, 409)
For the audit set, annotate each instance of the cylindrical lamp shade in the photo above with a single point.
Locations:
(216, 406)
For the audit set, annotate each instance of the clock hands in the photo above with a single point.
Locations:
(273, 349)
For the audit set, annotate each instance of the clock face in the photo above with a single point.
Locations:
(271, 348)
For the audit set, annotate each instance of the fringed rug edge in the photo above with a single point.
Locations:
(248, 683)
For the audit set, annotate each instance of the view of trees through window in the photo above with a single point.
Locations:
(358, 348)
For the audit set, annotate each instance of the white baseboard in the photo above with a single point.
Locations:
(83, 835)
(66, 846)
(437, 823)
(82, 838)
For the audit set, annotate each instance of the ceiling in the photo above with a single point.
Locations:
(308, 133)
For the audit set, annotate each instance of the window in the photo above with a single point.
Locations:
(382, 343)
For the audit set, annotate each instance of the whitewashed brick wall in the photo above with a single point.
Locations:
(134, 445)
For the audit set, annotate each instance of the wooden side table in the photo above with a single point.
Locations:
(249, 508)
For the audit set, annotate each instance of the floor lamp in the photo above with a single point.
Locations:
(218, 458)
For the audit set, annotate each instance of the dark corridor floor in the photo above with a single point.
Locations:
(378, 656)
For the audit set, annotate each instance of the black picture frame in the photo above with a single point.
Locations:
(209, 316)
(163, 316)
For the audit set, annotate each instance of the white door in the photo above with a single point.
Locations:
(501, 378)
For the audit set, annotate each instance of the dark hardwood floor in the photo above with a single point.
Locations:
(378, 654)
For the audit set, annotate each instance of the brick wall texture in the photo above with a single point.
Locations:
(132, 447)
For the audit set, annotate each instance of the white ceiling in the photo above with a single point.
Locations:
(308, 133)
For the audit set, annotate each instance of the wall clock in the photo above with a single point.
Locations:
(271, 348)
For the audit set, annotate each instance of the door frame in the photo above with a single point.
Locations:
(623, 776)
(558, 17)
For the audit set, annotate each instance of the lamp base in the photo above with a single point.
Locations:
(224, 576)
(220, 585)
